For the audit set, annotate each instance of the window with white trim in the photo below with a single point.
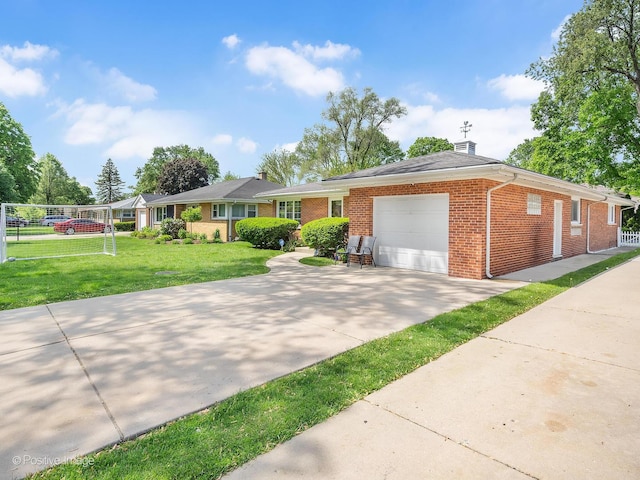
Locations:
(575, 210)
(534, 204)
(289, 209)
(218, 210)
(335, 207)
(612, 214)
(160, 213)
(252, 211)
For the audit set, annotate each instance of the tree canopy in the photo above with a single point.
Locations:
(55, 187)
(149, 174)
(353, 137)
(109, 184)
(589, 113)
(181, 175)
(281, 166)
(18, 159)
(427, 145)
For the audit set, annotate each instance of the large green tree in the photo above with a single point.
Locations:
(589, 114)
(281, 166)
(149, 174)
(182, 175)
(353, 137)
(55, 187)
(18, 159)
(427, 145)
(109, 184)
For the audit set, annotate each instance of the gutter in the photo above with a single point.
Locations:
(488, 235)
(589, 221)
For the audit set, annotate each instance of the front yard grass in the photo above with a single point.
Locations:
(232, 432)
(134, 268)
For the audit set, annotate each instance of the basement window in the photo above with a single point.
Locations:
(534, 204)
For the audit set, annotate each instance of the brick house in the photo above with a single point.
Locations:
(465, 215)
(223, 204)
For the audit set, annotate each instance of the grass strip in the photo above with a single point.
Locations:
(317, 261)
(213, 442)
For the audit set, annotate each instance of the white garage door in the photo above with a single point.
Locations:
(412, 232)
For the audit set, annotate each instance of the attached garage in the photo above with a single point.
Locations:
(412, 231)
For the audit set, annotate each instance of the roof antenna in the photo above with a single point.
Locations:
(465, 128)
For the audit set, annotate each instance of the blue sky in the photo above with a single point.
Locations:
(91, 80)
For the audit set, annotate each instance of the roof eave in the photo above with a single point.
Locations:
(307, 194)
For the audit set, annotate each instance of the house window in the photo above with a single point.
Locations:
(534, 204)
(335, 208)
(575, 210)
(218, 210)
(237, 210)
(161, 213)
(612, 214)
(252, 211)
(289, 209)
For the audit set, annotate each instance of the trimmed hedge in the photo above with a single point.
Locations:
(125, 226)
(326, 234)
(266, 232)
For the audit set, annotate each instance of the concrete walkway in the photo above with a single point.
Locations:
(553, 394)
(77, 376)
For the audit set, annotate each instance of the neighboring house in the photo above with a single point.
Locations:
(223, 204)
(123, 210)
(465, 215)
(144, 217)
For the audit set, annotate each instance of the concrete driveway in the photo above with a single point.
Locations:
(76, 376)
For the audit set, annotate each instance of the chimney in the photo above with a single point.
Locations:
(262, 176)
(465, 146)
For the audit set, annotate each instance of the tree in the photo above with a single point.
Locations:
(182, 175)
(589, 114)
(109, 184)
(190, 215)
(281, 166)
(79, 194)
(18, 158)
(229, 176)
(8, 191)
(351, 140)
(427, 145)
(149, 174)
(52, 183)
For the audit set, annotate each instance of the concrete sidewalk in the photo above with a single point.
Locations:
(554, 394)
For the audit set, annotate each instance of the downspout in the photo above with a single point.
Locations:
(488, 236)
(230, 221)
(589, 221)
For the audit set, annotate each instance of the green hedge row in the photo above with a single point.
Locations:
(266, 232)
(125, 226)
(326, 235)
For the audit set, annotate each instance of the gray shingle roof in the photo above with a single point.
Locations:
(425, 163)
(240, 189)
(305, 188)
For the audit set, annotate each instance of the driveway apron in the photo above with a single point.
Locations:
(77, 376)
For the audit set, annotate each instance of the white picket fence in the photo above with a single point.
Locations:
(628, 239)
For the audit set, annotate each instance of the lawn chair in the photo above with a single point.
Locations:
(366, 250)
(350, 249)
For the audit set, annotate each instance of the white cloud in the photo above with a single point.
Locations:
(246, 145)
(222, 139)
(128, 88)
(28, 53)
(15, 82)
(294, 70)
(125, 132)
(555, 35)
(496, 131)
(516, 87)
(289, 147)
(231, 41)
(330, 51)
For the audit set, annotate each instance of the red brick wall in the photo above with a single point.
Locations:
(518, 240)
(313, 208)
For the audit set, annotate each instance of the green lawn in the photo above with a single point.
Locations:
(208, 444)
(134, 268)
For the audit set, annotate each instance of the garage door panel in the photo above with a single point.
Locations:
(412, 232)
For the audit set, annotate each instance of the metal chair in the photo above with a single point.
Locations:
(366, 250)
(350, 249)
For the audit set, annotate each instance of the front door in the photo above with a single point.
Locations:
(557, 228)
(143, 220)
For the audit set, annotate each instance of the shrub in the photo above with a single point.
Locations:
(176, 241)
(266, 232)
(182, 233)
(158, 240)
(325, 234)
(171, 226)
(135, 233)
(165, 238)
(187, 241)
(203, 237)
(125, 226)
